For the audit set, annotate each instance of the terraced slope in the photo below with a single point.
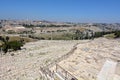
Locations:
(89, 58)
(25, 64)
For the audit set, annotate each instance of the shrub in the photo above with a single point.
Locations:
(14, 45)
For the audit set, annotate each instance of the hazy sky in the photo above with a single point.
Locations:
(61, 10)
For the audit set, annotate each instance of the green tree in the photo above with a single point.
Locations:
(7, 38)
(117, 33)
(77, 35)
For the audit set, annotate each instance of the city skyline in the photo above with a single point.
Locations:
(62, 10)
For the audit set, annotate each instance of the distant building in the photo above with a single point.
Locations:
(17, 28)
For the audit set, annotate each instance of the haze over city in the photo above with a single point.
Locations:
(101, 11)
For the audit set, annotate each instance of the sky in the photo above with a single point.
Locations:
(62, 10)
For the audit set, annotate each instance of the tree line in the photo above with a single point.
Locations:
(80, 35)
(43, 25)
(77, 35)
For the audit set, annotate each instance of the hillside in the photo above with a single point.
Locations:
(86, 62)
(25, 64)
(89, 60)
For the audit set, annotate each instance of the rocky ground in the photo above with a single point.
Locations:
(25, 64)
(85, 63)
(89, 58)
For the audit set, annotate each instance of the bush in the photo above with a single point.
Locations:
(14, 45)
(117, 33)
